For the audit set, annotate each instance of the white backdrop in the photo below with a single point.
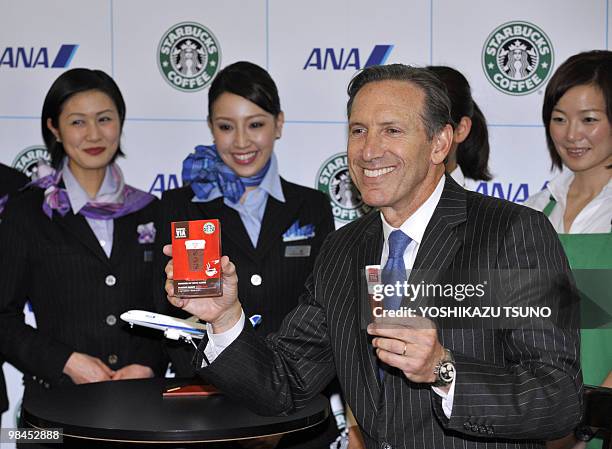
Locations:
(311, 48)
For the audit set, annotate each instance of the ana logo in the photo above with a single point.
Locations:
(329, 58)
(517, 58)
(33, 57)
(27, 160)
(334, 180)
(189, 56)
(208, 228)
(163, 182)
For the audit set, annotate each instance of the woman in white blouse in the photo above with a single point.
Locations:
(577, 115)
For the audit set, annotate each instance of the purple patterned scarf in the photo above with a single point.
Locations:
(129, 198)
(3, 201)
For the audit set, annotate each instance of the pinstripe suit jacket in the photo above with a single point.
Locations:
(282, 277)
(10, 181)
(513, 388)
(59, 266)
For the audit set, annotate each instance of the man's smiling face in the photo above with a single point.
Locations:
(389, 152)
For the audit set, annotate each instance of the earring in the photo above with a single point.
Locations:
(58, 140)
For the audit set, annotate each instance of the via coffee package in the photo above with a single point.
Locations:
(196, 250)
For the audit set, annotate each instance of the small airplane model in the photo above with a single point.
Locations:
(173, 328)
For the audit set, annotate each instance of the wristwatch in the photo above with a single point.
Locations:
(445, 370)
(584, 433)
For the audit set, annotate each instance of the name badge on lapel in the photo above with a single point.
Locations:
(297, 251)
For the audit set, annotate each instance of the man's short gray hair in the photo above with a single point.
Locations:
(436, 112)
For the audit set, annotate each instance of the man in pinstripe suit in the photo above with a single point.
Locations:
(513, 388)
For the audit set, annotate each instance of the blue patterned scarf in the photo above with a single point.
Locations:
(204, 170)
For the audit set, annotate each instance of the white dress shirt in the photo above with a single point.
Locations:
(414, 227)
(466, 183)
(594, 218)
(103, 229)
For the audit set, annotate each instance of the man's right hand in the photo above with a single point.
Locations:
(222, 312)
(83, 368)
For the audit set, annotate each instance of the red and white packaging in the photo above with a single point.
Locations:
(196, 250)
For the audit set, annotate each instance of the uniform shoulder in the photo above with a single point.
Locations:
(175, 194)
(11, 179)
(308, 193)
(27, 202)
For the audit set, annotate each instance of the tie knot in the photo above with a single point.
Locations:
(398, 242)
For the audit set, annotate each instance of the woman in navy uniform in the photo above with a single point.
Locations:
(271, 228)
(10, 181)
(78, 245)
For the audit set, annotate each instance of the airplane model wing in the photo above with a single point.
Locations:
(173, 328)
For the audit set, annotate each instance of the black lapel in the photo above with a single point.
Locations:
(121, 237)
(78, 226)
(277, 219)
(232, 227)
(440, 242)
(368, 252)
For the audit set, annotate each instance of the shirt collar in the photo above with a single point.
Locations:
(560, 184)
(77, 195)
(414, 227)
(458, 176)
(271, 181)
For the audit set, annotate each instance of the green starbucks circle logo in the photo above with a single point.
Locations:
(334, 180)
(208, 228)
(189, 56)
(517, 58)
(27, 160)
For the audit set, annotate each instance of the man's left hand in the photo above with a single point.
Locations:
(415, 351)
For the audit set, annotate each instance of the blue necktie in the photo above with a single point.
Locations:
(395, 270)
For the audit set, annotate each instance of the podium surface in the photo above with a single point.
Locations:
(135, 411)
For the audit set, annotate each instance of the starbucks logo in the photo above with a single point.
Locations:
(208, 228)
(189, 56)
(517, 58)
(28, 159)
(334, 180)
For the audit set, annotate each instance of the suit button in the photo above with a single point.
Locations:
(467, 425)
(113, 359)
(482, 429)
(256, 280)
(385, 445)
(110, 280)
(474, 428)
(111, 320)
(46, 385)
(490, 430)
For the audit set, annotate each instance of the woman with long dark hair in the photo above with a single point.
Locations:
(468, 159)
